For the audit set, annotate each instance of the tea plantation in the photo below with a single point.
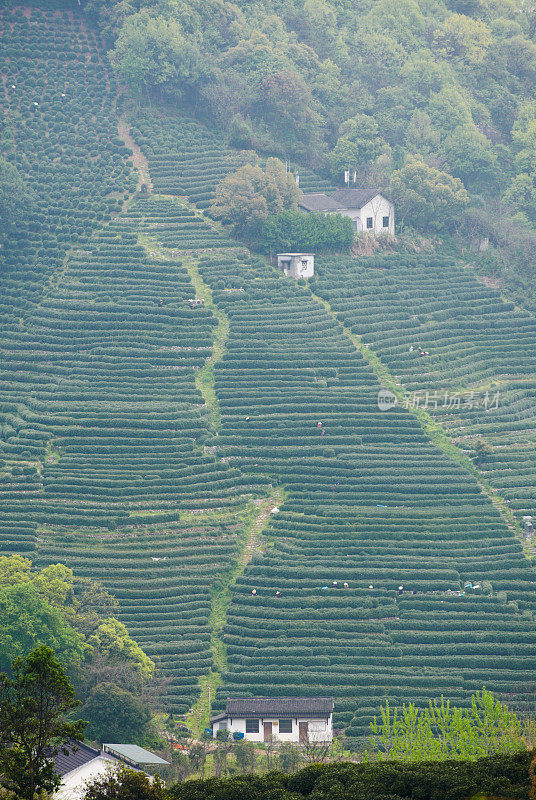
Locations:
(137, 427)
(103, 426)
(186, 159)
(441, 331)
(372, 505)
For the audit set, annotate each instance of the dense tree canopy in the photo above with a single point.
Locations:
(15, 199)
(35, 701)
(428, 198)
(115, 713)
(246, 197)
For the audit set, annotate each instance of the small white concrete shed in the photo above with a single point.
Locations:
(296, 265)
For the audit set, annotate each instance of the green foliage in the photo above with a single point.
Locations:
(483, 452)
(471, 158)
(245, 756)
(246, 197)
(359, 144)
(125, 785)
(499, 776)
(426, 198)
(441, 732)
(289, 757)
(295, 231)
(15, 199)
(69, 615)
(153, 53)
(111, 639)
(114, 713)
(28, 620)
(34, 702)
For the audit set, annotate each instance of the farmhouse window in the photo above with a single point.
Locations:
(285, 726)
(386, 222)
(370, 222)
(252, 726)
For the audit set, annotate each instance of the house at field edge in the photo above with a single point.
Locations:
(368, 209)
(283, 719)
(84, 764)
(296, 265)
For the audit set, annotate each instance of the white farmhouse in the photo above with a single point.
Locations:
(296, 265)
(280, 719)
(78, 764)
(368, 209)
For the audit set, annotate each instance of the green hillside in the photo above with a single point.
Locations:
(146, 439)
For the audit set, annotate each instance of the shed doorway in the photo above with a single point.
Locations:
(304, 731)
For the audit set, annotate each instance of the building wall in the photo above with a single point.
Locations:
(237, 725)
(297, 269)
(378, 208)
(73, 784)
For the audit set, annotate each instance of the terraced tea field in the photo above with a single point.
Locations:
(136, 430)
(479, 367)
(372, 505)
(103, 427)
(186, 159)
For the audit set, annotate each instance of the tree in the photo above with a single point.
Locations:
(520, 196)
(14, 569)
(34, 702)
(296, 231)
(426, 198)
(152, 53)
(421, 138)
(115, 713)
(247, 196)
(463, 38)
(289, 757)
(15, 199)
(125, 784)
(448, 108)
(111, 639)
(483, 452)
(471, 158)
(359, 144)
(441, 732)
(245, 756)
(28, 619)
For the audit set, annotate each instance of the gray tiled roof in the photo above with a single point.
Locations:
(279, 706)
(320, 202)
(77, 755)
(355, 198)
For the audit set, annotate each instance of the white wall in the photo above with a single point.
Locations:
(237, 725)
(378, 208)
(299, 266)
(73, 784)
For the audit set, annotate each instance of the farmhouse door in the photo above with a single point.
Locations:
(267, 731)
(304, 731)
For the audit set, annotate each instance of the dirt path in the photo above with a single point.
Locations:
(250, 542)
(138, 159)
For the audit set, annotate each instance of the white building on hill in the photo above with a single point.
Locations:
(368, 209)
(283, 719)
(296, 265)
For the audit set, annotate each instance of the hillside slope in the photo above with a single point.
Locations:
(103, 424)
(142, 436)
